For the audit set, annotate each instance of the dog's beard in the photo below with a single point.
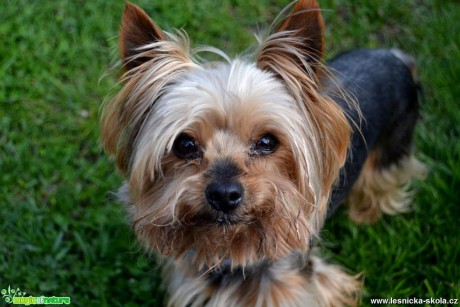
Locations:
(174, 219)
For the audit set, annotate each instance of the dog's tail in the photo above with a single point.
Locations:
(408, 60)
(411, 64)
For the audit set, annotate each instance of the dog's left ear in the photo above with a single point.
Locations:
(299, 38)
(293, 54)
(137, 30)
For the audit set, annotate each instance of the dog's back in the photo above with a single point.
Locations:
(382, 82)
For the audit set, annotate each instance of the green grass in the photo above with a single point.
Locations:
(62, 233)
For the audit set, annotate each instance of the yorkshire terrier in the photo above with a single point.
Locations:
(233, 167)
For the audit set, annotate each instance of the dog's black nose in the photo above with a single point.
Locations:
(224, 196)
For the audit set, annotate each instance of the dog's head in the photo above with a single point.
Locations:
(231, 160)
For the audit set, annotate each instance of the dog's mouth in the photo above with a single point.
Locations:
(218, 218)
(227, 219)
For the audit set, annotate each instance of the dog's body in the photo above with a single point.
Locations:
(230, 167)
(383, 84)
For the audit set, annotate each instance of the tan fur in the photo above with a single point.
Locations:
(332, 286)
(283, 54)
(290, 281)
(383, 190)
(124, 116)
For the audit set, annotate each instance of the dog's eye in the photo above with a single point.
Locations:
(185, 147)
(266, 144)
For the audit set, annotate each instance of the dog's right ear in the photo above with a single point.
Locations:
(137, 30)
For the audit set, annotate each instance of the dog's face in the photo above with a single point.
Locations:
(223, 139)
(232, 160)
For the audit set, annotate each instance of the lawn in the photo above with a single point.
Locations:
(62, 233)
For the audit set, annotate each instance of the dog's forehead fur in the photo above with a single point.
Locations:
(225, 107)
(236, 97)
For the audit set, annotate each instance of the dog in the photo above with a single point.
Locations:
(232, 168)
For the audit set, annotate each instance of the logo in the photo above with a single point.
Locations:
(9, 295)
(18, 297)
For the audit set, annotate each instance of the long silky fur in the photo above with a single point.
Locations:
(165, 96)
(328, 127)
